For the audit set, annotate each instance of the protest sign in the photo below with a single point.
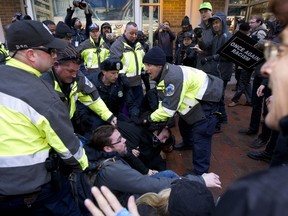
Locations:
(240, 50)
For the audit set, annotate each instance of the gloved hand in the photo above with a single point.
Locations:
(203, 61)
(113, 121)
(209, 58)
(146, 121)
(198, 32)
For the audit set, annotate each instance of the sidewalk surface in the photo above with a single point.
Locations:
(229, 149)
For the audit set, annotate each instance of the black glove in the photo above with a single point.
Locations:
(203, 61)
(146, 121)
(198, 32)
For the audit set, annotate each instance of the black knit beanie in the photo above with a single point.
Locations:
(155, 56)
(63, 30)
(185, 21)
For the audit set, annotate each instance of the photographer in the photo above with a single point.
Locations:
(163, 37)
(80, 34)
(186, 54)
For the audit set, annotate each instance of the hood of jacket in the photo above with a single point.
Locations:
(221, 16)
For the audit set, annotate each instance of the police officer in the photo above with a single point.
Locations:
(131, 53)
(33, 122)
(4, 54)
(73, 86)
(115, 91)
(93, 50)
(191, 93)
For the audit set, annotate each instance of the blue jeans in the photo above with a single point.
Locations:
(166, 174)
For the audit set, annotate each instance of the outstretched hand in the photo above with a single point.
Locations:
(109, 204)
(212, 180)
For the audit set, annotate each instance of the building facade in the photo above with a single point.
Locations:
(146, 13)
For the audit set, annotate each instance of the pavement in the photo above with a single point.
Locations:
(229, 148)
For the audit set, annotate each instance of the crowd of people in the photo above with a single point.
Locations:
(82, 113)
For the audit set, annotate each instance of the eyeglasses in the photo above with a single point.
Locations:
(271, 49)
(118, 141)
(50, 51)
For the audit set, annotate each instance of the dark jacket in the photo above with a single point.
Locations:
(164, 40)
(123, 180)
(79, 35)
(115, 95)
(222, 67)
(205, 44)
(190, 53)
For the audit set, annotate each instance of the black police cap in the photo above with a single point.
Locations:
(111, 64)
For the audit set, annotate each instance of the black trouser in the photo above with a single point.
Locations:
(280, 154)
(48, 202)
(243, 86)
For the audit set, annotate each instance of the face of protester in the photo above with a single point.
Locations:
(254, 24)
(187, 41)
(106, 29)
(205, 14)
(110, 76)
(131, 33)
(275, 69)
(217, 26)
(66, 71)
(118, 144)
(153, 70)
(77, 24)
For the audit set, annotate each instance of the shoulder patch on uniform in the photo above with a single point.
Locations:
(88, 83)
(169, 90)
(118, 65)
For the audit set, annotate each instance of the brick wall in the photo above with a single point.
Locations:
(8, 10)
(174, 11)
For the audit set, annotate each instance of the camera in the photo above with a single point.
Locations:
(198, 32)
(164, 26)
(80, 3)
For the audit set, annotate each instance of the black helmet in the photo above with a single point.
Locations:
(111, 64)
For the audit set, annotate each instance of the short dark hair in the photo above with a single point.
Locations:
(67, 54)
(101, 137)
(48, 22)
(131, 23)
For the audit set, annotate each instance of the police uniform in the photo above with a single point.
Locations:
(33, 122)
(93, 53)
(131, 57)
(116, 96)
(194, 95)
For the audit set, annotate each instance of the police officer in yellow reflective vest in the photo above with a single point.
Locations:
(4, 54)
(33, 121)
(131, 52)
(191, 93)
(93, 50)
(73, 86)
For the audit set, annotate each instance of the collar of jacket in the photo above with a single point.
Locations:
(18, 64)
